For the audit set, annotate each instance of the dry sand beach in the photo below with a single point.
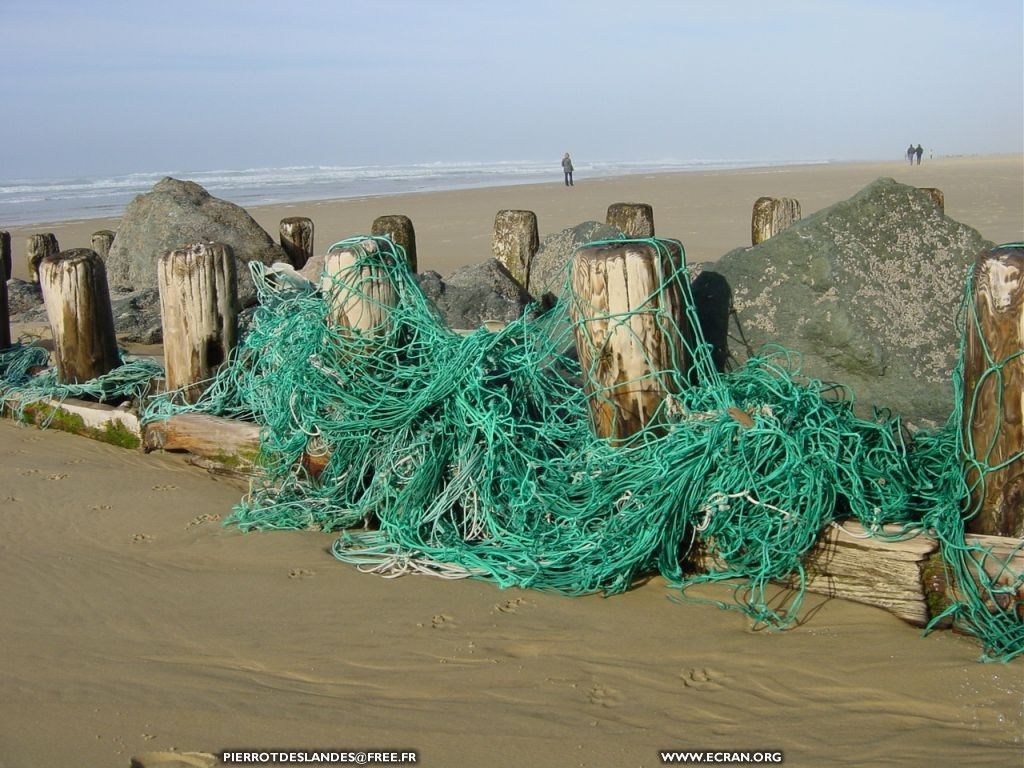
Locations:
(709, 211)
(135, 624)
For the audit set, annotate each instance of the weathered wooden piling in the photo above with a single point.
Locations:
(74, 286)
(771, 215)
(38, 247)
(633, 219)
(296, 237)
(199, 309)
(400, 230)
(6, 265)
(937, 196)
(994, 393)
(515, 242)
(101, 242)
(6, 258)
(630, 333)
(360, 296)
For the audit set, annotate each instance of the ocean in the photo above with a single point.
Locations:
(37, 201)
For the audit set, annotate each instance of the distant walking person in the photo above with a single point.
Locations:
(919, 151)
(567, 169)
(910, 154)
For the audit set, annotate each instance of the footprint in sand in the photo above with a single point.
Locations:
(201, 519)
(165, 487)
(58, 476)
(28, 472)
(75, 461)
(174, 760)
(604, 696)
(442, 620)
(100, 507)
(510, 606)
(11, 499)
(701, 679)
(142, 538)
(300, 573)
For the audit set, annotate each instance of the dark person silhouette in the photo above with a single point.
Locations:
(567, 169)
(919, 151)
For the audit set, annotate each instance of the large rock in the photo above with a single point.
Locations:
(23, 296)
(475, 294)
(136, 314)
(549, 268)
(178, 213)
(868, 291)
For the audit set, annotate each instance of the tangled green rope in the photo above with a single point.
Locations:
(473, 455)
(26, 377)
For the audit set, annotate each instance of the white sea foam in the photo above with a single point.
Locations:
(29, 201)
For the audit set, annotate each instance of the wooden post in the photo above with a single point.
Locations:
(633, 219)
(5, 274)
(994, 393)
(74, 285)
(296, 236)
(937, 196)
(399, 229)
(360, 297)
(101, 242)
(6, 261)
(199, 308)
(515, 242)
(38, 248)
(772, 215)
(630, 330)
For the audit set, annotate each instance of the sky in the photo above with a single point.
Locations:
(105, 87)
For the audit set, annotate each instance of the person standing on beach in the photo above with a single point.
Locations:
(919, 151)
(567, 169)
(910, 154)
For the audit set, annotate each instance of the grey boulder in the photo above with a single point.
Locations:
(476, 294)
(868, 291)
(178, 213)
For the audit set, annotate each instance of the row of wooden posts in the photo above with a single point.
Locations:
(515, 241)
(619, 290)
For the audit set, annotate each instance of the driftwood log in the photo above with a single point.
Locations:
(38, 247)
(5, 275)
(633, 219)
(400, 231)
(771, 215)
(630, 332)
(74, 286)
(296, 237)
(515, 242)
(116, 425)
(906, 577)
(223, 446)
(199, 310)
(994, 394)
(101, 242)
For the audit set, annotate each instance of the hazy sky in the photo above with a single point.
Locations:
(151, 85)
